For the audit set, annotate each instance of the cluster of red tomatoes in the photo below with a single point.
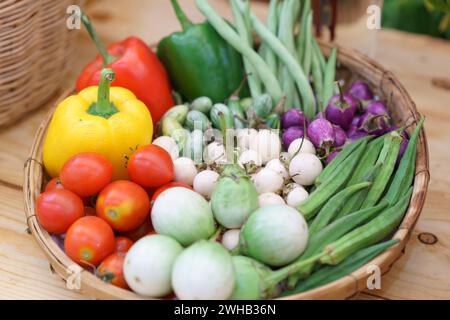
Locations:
(100, 219)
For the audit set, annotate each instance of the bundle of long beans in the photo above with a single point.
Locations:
(289, 62)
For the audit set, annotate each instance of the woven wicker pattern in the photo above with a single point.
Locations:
(35, 49)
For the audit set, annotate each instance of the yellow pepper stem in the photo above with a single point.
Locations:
(104, 107)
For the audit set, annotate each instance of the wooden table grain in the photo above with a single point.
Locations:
(422, 273)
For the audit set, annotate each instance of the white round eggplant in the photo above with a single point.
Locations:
(183, 214)
(230, 238)
(168, 144)
(305, 168)
(274, 235)
(184, 170)
(205, 181)
(269, 199)
(267, 180)
(148, 265)
(306, 147)
(204, 271)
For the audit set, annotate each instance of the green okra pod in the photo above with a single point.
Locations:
(406, 168)
(368, 234)
(328, 274)
(332, 207)
(310, 207)
(387, 159)
(329, 85)
(331, 233)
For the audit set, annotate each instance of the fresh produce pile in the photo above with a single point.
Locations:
(263, 179)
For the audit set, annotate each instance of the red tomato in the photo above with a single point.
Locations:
(124, 205)
(53, 184)
(86, 174)
(123, 244)
(168, 186)
(111, 270)
(57, 209)
(141, 231)
(89, 241)
(150, 166)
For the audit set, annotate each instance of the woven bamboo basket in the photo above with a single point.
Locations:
(353, 65)
(35, 51)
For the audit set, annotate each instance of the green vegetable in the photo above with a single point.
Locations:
(272, 24)
(200, 62)
(354, 203)
(333, 232)
(332, 207)
(368, 160)
(386, 160)
(202, 104)
(253, 80)
(172, 125)
(184, 215)
(330, 169)
(273, 121)
(310, 207)
(289, 61)
(307, 55)
(197, 120)
(238, 114)
(221, 117)
(317, 79)
(329, 77)
(329, 274)
(203, 271)
(233, 199)
(274, 235)
(406, 168)
(368, 234)
(262, 105)
(221, 26)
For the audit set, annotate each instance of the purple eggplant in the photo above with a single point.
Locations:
(341, 110)
(331, 156)
(292, 118)
(360, 90)
(321, 133)
(375, 119)
(355, 121)
(340, 136)
(354, 134)
(320, 115)
(291, 134)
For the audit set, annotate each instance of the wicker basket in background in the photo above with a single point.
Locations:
(35, 50)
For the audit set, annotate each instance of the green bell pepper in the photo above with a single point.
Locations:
(200, 62)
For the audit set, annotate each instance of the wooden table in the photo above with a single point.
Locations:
(422, 273)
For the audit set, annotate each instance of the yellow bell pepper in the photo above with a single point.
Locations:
(108, 121)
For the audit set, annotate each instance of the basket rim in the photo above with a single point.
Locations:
(345, 287)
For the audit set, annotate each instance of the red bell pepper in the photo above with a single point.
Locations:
(137, 68)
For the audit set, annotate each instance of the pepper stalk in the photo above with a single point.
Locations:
(107, 58)
(104, 107)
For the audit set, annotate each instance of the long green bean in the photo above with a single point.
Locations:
(329, 77)
(226, 31)
(328, 274)
(301, 37)
(368, 234)
(253, 80)
(291, 63)
(331, 233)
(272, 24)
(307, 55)
(319, 54)
(317, 80)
